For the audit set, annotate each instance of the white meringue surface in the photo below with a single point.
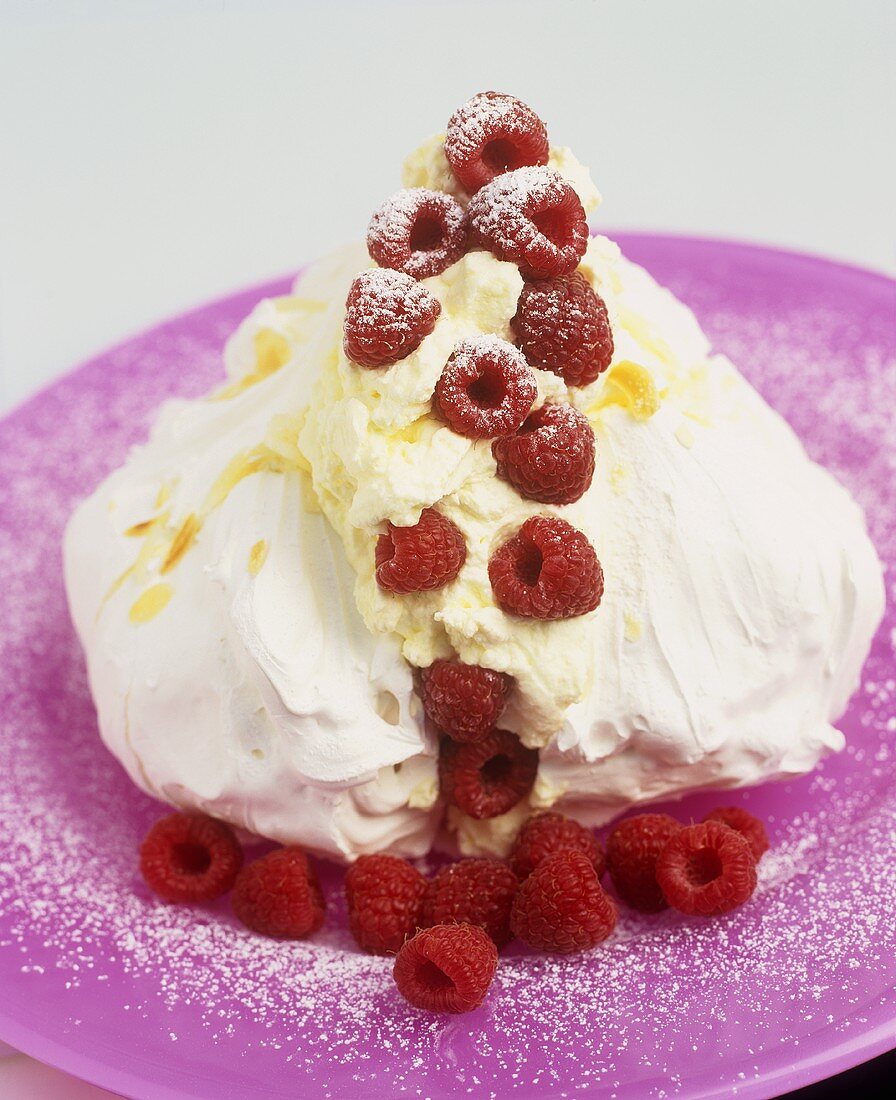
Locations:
(244, 661)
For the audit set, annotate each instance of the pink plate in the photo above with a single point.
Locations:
(152, 1001)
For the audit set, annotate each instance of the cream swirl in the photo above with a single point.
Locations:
(244, 661)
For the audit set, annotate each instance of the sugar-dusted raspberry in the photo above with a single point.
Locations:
(486, 389)
(547, 570)
(551, 457)
(190, 857)
(279, 895)
(385, 902)
(421, 558)
(547, 833)
(531, 217)
(706, 869)
(490, 134)
(562, 907)
(447, 968)
(475, 891)
(750, 827)
(562, 326)
(419, 232)
(464, 701)
(633, 848)
(387, 316)
(489, 777)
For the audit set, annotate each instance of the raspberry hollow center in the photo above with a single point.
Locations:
(433, 977)
(495, 771)
(488, 391)
(528, 566)
(427, 235)
(704, 867)
(190, 859)
(500, 155)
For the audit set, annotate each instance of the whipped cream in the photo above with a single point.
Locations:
(244, 661)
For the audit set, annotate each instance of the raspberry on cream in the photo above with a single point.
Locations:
(247, 659)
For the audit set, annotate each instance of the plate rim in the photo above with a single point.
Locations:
(59, 1049)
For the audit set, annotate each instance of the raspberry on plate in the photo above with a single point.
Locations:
(388, 315)
(447, 968)
(531, 217)
(550, 458)
(279, 895)
(490, 134)
(561, 325)
(474, 891)
(547, 833)
(487, 778)
(465, 701)
(421, 558)
(633, 848)
(562, 907)
(419, 232)
(706, 869)
(385, 902)
(486, 389)
(190, 857)
(547, 570)
(743, 822)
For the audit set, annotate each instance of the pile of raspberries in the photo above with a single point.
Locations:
(507, 201)
(445, 932)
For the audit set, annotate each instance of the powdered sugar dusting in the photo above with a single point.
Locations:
(532, 217)
(493, 117)
(390, 234)
(669, 1006)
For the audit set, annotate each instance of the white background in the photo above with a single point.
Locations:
(154, 155)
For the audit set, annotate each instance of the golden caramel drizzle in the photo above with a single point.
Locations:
(630, 385)
(181, 543)
(272, 350)
(257, 557)
(141, 530)
(150, 603)
(160, 542)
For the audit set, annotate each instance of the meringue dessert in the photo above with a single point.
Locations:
(477, 524)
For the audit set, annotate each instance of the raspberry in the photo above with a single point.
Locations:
(633, 848)
(750, 828)
(487, 388)
(706, 869)
(488, 778)
(562, 326)
(387, 316)
(421, 558)
(551, 457)
(493, 133)
(547, 833)
(531, 217)
(547, 570)
(464, 701)
(447, 968)
(418, 232)
(190, 857)
(279, 895)
(562, 907)
(475, 891)
(385, 902)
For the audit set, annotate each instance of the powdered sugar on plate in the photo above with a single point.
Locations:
(160, 1000)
